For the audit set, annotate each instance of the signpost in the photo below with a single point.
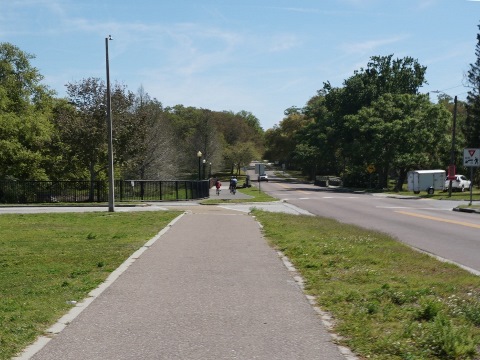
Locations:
(260, 170)
(371, 170)
(451, 172)
(471, 159)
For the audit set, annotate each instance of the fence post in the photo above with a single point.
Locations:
(121, 190)
(206, 187)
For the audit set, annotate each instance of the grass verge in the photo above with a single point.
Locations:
(388, 301)
(443, 195)
(292, 175)
(47, 260)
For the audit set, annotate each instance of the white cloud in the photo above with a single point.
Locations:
(425, 4)
(283, 42)
(370, 46)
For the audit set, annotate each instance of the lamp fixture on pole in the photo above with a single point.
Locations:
(199, 155)
(111, 184)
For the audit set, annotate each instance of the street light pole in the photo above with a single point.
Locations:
(204, 170)
(452, 155)
(199, 155)
(111, 200)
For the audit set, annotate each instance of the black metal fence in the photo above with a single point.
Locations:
(155, 190)
(25, 192)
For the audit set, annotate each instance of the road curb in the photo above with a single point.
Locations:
(467, 210)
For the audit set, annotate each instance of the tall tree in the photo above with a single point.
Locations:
(251, 120)
(213, 133)
(386, 135)
(25, 111)
(195, 131)
(282, 140)
(239, 155)
(320, 136)
(472, 123)
(383, 75)
(83, 126)
(153, 152)
(331, 107)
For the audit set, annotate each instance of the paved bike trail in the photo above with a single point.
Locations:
(225, 194)
(207, 287)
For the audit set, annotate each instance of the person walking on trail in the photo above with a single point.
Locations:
(218, 185)
(233, 185)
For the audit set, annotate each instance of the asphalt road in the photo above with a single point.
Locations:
(428, 225)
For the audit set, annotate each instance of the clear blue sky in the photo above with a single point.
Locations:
(262, 56)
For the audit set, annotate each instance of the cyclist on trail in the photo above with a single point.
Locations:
(233, 184)
(218, 185)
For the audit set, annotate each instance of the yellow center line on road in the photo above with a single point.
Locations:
(462, 223)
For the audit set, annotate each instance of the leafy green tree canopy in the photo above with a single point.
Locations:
(20, 81)
(25, 112)
(472, 123)
(383, 75)
(386, 134)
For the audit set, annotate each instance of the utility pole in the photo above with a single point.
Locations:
(452, 154)
(111, 182)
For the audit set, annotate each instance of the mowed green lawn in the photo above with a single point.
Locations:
(48, 260)
(388, 301)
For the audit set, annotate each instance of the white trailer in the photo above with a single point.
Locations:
(426, 180)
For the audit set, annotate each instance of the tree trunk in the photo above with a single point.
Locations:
(383, 177)
(402, 175)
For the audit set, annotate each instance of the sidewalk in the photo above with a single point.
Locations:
(209, 287)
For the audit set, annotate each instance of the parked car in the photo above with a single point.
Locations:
(263, 177)
(461, 183)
